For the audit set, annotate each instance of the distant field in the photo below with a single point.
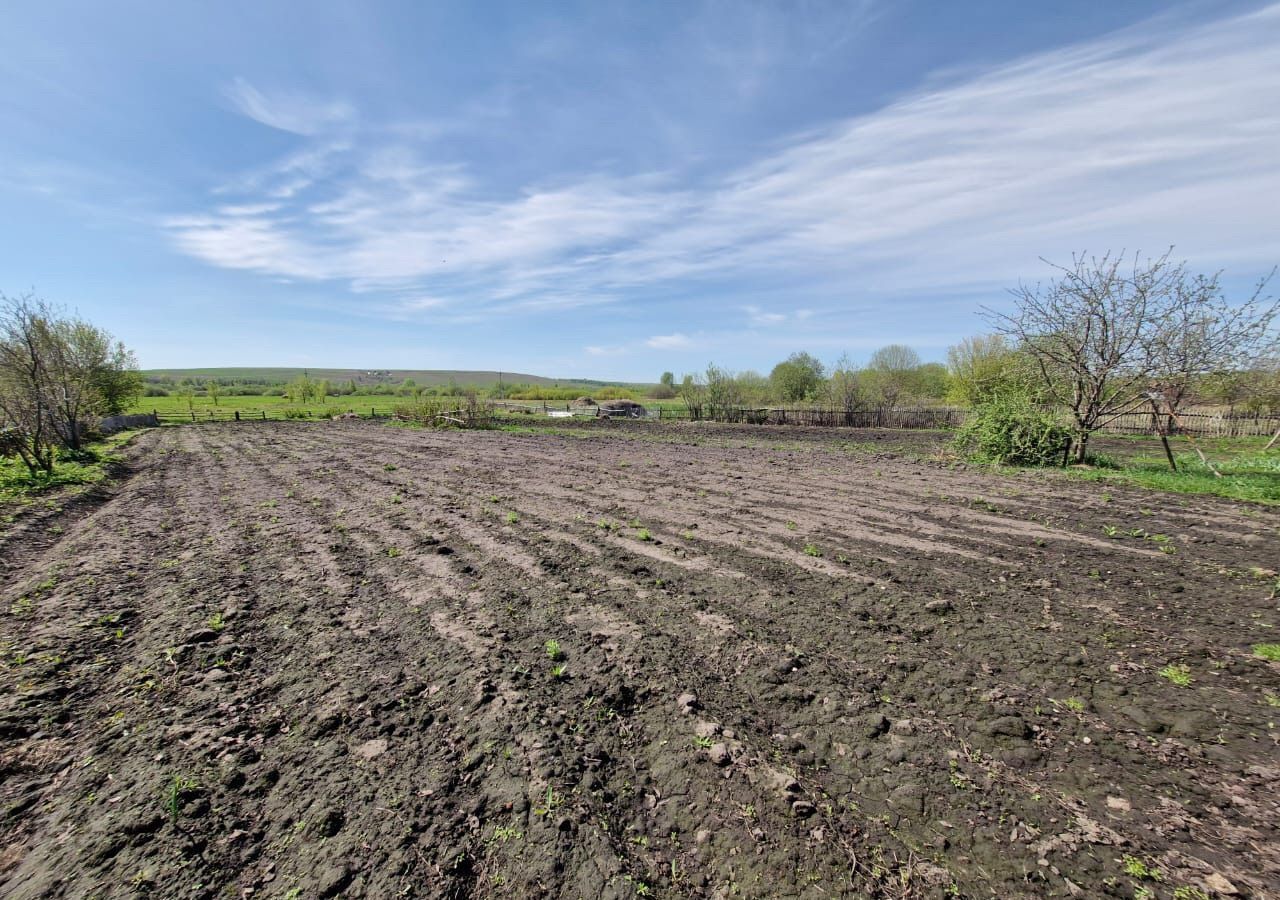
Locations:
(275, 407)
(424, 377)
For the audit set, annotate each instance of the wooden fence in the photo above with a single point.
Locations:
(1201, 424)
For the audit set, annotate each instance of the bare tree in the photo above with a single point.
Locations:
(844, 389)
(1204, 333)
(1105, 337)
(1091, 333)
(694, 395)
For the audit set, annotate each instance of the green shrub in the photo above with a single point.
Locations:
(1012, 431)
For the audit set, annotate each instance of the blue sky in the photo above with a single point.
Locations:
(614, 189)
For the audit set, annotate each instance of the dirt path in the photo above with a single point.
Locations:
(311, 660)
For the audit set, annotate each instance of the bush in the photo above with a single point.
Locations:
(447, 412)
(1011, 431)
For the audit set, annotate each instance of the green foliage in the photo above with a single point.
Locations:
(1009, 430)
(985, 367)
(1176, 674)
(798, 377)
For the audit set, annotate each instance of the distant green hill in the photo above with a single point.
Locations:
(423, 377)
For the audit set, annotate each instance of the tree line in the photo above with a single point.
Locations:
(58, 376)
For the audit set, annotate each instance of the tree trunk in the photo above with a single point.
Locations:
(1081, 447)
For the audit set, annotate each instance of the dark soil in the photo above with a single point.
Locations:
(311, 660)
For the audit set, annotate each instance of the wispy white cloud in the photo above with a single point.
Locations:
(676, 341)
(296, 113)
(1153, 136)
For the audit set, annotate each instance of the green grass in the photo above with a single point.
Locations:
(1248, 473)
(17, 485)
(1270, 652)
(275, 407)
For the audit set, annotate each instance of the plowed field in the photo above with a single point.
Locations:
(344, 659)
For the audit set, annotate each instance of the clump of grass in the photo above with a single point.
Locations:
(393, 552)
(553, 650)
(1269, 652)
(1137, 868)
(1179, 674)
(1075, 704)
(216, 622)
(812, 550)
(513, 517)
(644, 535)
(559, 671)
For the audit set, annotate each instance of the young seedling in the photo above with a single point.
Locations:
(554, 652)
(812, 550)
(216, 622)
(1179, 674)
(177, 791)
(513, 517)
(559, 671)
(644, 535)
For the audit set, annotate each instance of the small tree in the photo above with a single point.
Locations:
(845, 391)
(694, 396)
(118, 382)
(1103, 336)
(324, 389)
(212, 390)
(301, 389)
(1090, 332)
(890, 371)
(985, 367)
(57, 376)
(797, 378)
(723, 393)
